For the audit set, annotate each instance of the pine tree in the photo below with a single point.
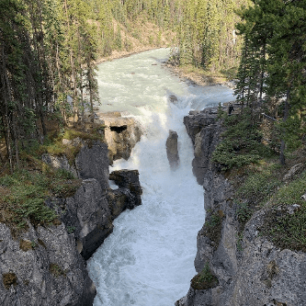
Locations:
(275, 29)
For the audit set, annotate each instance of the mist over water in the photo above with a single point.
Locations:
(148, 259)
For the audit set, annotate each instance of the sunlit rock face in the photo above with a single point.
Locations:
(121, 134)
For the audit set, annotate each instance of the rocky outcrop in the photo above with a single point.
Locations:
(92, 162)
(251, 271)
(121, 134)
(173, 99)
(89, 213)
(59, 162)
(128, 181)
(42, 267)
(45, 266)
(204, 134)
(172, 150)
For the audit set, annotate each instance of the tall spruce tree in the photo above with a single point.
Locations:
(276, 31)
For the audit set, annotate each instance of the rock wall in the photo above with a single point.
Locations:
(43, 267)
(250, 270)
(46, 266)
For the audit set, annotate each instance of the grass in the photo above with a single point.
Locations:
(56, 270)
(23, 195)
(54, 144)
(204, 280)
(213, 226)
(287, 231)
(9, 279)
(255, 184)
(258, 185)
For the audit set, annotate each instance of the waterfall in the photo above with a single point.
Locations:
(149, 258)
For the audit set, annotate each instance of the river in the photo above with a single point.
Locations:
(148, 259)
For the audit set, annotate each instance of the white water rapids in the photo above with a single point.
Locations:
(148, 259)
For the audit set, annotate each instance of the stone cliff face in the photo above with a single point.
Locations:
(46, 266)
(43, 267)
(250, 270)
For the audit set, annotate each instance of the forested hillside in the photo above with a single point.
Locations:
(207, 34)
(272, 74)
(48, 54)
(49, 49)
(271, 82)
(263, 148)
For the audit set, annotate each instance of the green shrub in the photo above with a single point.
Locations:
(259, 185)
(291, 193)
(204, 280)
(241, 142)
(213, 227)
(255, 189)
(243, 212)
(26, 199)
(287, 231)
(23, 195)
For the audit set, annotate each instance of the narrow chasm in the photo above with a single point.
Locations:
(149, 257)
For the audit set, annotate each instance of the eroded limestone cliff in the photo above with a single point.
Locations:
(46, 265)
(235, 268)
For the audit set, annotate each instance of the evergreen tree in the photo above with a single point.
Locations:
(275, 31)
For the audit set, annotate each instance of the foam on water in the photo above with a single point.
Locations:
(148, 259)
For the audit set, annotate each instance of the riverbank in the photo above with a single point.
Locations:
(188, 74)
(199, 76)
(122, 54)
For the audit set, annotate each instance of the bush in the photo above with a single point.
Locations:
(241, 143)
(287, 231)
(23, 195)
(213, 227)
(204, 280)
(258, 185)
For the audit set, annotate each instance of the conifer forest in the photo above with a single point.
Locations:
(49, 51)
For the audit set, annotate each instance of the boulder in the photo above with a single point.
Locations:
(128, 182)
(293, 171)
(197, 120)
(172, 150)
(86, 215)
(90, 212)
(92, 162)
(173, 99)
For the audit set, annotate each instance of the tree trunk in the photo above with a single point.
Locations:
(283, 145)
(73, 75)
(262, 74)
